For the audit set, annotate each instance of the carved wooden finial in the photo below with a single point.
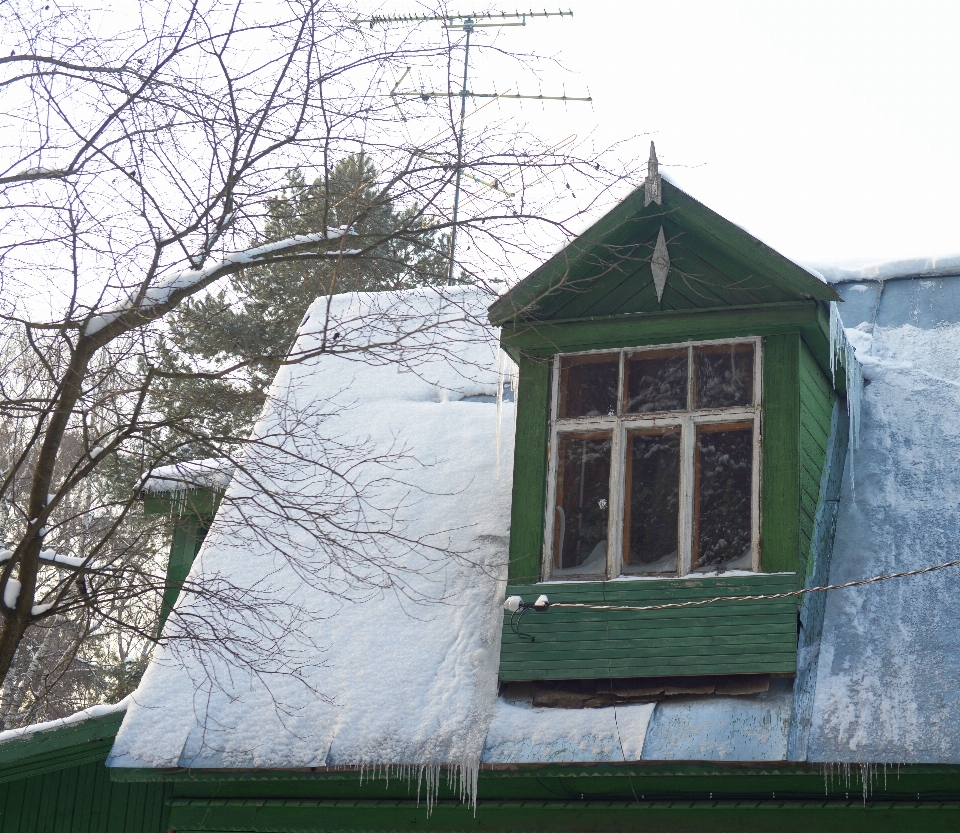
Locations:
(651, 185)
(660, 264)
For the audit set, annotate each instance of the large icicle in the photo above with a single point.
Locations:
(505, 366)
(842, 352)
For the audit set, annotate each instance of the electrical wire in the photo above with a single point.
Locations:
(790, 594)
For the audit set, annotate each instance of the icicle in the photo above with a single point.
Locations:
(505, 366)
(500, 377)
(841, 350)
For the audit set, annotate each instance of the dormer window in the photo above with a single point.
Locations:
(654, 466)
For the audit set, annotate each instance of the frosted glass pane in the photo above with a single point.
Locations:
(583, 496)
(724, 375)
(657, 382)
(588, 385)
(724, 475)
(652, 502)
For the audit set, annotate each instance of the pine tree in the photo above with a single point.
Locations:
(253, 319)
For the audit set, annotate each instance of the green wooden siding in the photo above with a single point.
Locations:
(817, 399)
(606, 269)
(779, 487)
(530, 470)
(754, 637)
(192, 513)
(56, 782)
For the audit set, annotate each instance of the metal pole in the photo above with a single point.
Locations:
(468, 28)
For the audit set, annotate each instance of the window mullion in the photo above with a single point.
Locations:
(615, 518)
(687, 439)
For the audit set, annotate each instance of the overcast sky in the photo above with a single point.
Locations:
(827, 129)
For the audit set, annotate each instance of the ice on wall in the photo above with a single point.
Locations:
(520, 733)
(405, 670)
(890, 653)
(721, 728)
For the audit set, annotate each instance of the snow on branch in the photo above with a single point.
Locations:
(160, 293)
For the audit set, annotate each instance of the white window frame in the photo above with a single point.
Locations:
(618, 426)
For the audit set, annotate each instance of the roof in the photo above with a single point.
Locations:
(888, 675)
(180, 477)
(403, 674)
(79, 738)
(405, 683)
(608, 268)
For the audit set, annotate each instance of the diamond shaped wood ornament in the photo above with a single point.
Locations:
(660, 265)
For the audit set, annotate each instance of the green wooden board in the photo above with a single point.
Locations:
(712, 259)
(728, 637)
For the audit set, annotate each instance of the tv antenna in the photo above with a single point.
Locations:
(467, 23)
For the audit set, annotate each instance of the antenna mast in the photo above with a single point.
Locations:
(497, 19)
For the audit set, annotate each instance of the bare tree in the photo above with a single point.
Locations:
(137, 169)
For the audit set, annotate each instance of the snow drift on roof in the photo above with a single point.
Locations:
(403, 674)
(890, 652)
(196, 474)
(77, 717)
(885, 270)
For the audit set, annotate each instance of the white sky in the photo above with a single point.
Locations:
(827, 129)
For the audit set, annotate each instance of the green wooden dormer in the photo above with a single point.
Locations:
(673, 426)
(190, 494)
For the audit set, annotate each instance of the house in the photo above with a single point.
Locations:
(589, 608)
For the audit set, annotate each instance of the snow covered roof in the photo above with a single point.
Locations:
(888, 674)
(404, 673)
(409, 678)
(70, 720)
(196, 474)
(880, 270)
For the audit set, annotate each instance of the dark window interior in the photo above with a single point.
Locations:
(724, 375)
(588, 385)
(724, 469)
(653, 501)
(656, 382)
(582, 508)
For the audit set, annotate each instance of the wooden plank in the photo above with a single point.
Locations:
(780, 487)
(665, 630)
(529, 471)
(638, 330)
(767, 664)
(687, 587)
(626, 220)
(689, 646)
(660, 623)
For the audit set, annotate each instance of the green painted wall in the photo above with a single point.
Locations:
(665, 797)
(817, 398)
(755, 637)
(192, 514)
(779, 487)
(56, 782)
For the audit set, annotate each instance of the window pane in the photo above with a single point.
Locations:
(724, 375)
(583, 493)
(588, 385)
(657, 382)
(652, 502)
(724, 469)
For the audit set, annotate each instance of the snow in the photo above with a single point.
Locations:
(889, 661)
(884, 270)
(59, 558)
(211, 473)
(842, 353)
(78, 717)
(403, 677)
(11, 592)
(521, 734)
(160, 292)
